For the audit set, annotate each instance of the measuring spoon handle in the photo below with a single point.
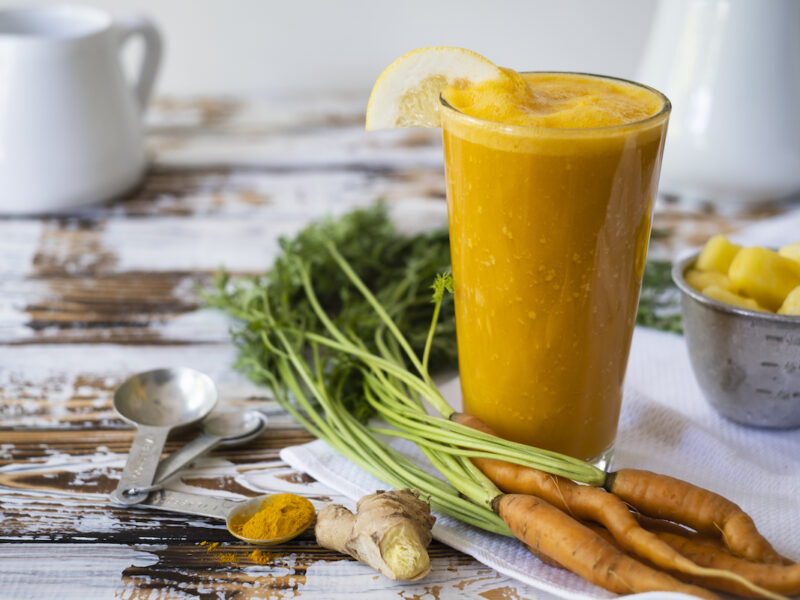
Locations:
(142, 463)
(180, 458)
(190, 504)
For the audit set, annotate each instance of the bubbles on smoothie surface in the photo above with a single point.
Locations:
(499, 100)
(558, 100)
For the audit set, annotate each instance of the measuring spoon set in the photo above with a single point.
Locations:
(158, 402)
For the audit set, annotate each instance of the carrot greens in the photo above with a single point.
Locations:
(398, 268)
(334, 330)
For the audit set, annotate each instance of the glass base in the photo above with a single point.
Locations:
(603, 460)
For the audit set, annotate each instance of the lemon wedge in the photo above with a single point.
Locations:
(407, 92)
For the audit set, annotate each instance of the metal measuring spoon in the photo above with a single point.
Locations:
(219, 429)
(157, 402)
(233, 512)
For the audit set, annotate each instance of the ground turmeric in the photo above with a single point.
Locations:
(227, 557)
(278, 516)
(262, 558)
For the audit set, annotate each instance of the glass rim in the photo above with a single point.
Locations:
(663, 112)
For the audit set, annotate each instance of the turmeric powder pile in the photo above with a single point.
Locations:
(262, 558)
(278, 516)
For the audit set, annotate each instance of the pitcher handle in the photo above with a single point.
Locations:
(135, 24)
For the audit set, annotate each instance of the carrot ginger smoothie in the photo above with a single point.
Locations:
(551, 179)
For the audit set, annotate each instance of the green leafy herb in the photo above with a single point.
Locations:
(659, 303)
(397, 268)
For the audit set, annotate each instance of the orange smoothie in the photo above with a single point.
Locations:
(551, 179)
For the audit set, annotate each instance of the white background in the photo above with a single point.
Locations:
(286, 47)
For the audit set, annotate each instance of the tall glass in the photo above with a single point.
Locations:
(548, 231)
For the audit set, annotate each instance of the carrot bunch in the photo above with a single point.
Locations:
(640, 532)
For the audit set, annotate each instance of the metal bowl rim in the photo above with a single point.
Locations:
(681, 266)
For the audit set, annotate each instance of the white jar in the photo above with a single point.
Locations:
(732, 71)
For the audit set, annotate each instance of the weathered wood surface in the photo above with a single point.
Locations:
(92, 297)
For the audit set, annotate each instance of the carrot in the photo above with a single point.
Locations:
(668, 498)
(709, 552)
(554, 534)
(781, 579)
(595, 504)
(658, 525)
(715, 542)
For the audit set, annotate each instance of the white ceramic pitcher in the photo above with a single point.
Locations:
(70, 124)
(732, 71)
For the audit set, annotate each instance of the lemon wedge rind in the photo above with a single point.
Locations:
(407, 93)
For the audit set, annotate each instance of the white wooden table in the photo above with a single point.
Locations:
(90, 298)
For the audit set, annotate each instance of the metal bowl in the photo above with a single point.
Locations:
(747, 362)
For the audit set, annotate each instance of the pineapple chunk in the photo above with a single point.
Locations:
(717, 255)
(791, 306)
(700, 280)
(764, 275)
(729, 297)
(792, 251)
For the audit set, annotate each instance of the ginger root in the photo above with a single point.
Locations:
(390, 532)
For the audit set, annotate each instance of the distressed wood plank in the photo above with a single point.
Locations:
(258, 191)
(131, 308)
(105, 277)
(69, 386)
(90, 519)
(38, 446)
(182, 117)
(154, 572)
(55, 515)
(171, 244)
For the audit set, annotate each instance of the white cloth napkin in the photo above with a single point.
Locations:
(666, 426)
